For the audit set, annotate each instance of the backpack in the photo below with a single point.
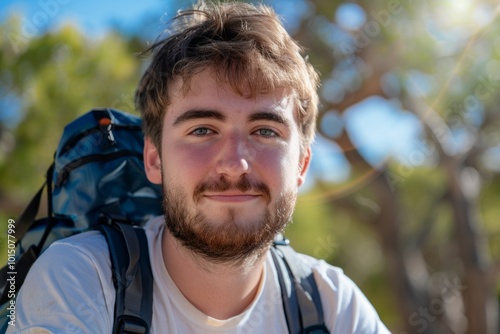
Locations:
(97, 181)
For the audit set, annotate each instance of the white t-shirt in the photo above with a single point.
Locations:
(70, 290)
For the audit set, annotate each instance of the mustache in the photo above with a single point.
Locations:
(222, 184)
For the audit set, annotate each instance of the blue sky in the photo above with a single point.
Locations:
(378, 129)
(93, 17)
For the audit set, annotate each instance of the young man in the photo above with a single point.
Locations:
(229, 106)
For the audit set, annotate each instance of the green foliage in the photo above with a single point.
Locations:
(312, 230)
(490, 212)
(56, 77)
(323, 228)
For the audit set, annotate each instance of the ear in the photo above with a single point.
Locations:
(304, 165)
(152, 161)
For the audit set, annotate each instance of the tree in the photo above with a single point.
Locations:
(442, 64)
(47, 81)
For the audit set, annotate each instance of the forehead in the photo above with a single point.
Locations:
(206, 90)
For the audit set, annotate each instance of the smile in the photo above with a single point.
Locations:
(232, 198)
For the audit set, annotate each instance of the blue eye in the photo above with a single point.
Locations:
(201, 131)
(267, 133)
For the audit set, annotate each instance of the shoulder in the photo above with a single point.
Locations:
(332, 282)
(92, 242)
(346, 308)
(70, 286)
(327, 275)
(77, 251)
(321, 267)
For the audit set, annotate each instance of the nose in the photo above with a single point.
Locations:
(234, 159)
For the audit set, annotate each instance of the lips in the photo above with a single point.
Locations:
(232, 197)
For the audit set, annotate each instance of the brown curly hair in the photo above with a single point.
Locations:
(246, 46)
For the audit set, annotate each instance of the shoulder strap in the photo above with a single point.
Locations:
(27, 218)
(23, 224)
(301, 298)
(132, 277)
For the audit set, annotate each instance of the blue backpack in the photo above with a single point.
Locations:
(97, 181)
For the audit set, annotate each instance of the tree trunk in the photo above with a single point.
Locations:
(409, 298)
(480, 305)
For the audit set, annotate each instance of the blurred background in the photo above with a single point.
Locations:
(404, 189)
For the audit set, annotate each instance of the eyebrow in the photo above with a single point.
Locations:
(193, 114)
(268, 116)
(198, 114)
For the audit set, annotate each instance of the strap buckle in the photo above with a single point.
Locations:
(316, 329)
(127, 324)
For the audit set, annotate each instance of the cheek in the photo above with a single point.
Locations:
(290, 172)
(278, 168)
(184, 163)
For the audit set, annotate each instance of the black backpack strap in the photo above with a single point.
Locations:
(25, 221)
(301, 298)
(22, 266)
(132, 277)
(27, 218)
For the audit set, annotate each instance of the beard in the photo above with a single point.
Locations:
(234, 238)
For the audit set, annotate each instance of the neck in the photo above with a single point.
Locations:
(220, 290)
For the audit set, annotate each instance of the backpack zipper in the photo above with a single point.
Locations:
(64, 173)
(70, 143)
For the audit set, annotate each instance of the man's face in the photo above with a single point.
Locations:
(230, 168)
